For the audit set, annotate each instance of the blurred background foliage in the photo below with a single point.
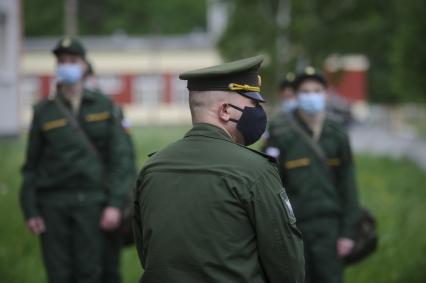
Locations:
(389, 32)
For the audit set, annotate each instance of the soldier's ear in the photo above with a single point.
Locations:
(223, 112)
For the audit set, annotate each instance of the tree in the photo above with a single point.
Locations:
(323, 27)
(102, 17)
(408, 53)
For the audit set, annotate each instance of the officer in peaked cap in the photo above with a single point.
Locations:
(317, 169)
(209, 209)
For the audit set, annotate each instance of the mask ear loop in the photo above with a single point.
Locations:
(235, 107)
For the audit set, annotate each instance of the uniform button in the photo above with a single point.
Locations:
(81, 197)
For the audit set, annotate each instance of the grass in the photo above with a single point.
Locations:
(392, 189)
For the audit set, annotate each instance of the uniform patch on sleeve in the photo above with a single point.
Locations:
(54, 124)
(96, 117)
(273, 151)
(288, 207)
(297, 163)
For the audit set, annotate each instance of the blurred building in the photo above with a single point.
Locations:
(140, 73)
(10, 38)
(347, 75)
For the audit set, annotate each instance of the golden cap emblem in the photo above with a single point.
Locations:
(66, 42)
(310, 70)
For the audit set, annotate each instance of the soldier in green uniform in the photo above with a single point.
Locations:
(317, 170)
(72, 177)
(208, 208)
(114, 239)
(286, 95)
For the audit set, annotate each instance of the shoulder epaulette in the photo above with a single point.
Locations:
(264, 155)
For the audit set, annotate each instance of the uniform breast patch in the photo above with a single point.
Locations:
(54, 124)
(297, 163)
(333, 162)
(96, 117)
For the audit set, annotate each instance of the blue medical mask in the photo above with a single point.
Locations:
(311, 102)
(252, 123)
(69, 74)
(289, 105)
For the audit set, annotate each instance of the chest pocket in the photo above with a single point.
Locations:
(297, 163)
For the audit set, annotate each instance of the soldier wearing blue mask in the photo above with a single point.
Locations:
(287, 96)
(317, 170)
(72, 192)
(208, 208)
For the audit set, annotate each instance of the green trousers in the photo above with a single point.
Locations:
(72, 243)
(111, 257)
(320, 238)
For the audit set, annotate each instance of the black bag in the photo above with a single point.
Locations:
(366, 239)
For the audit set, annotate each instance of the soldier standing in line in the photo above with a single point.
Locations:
(317, 170)
(72, 177)
(210, 209)
(116, 239)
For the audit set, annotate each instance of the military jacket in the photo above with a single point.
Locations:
(61, 169)
(313, 190)
(209, 210)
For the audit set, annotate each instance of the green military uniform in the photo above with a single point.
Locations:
(114, 239)
(68, 185)
(210, 210)
(325, 202)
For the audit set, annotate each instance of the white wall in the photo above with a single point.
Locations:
(9, 54)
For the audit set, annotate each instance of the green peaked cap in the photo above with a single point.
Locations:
(241, 76)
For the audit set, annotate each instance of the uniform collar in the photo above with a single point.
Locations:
(301, 122)
(88, 95)
(208, 130)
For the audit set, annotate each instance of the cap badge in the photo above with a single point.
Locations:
(310, 70)
(66, 42)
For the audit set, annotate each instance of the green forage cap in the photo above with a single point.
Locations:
(309, 73)
(69, 45)
(241, 76)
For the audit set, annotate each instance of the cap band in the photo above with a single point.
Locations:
(245, 87)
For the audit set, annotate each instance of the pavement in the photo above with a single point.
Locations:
(376, 140)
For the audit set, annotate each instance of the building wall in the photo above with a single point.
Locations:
(10, 31)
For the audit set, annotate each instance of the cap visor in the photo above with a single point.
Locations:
(253, 95)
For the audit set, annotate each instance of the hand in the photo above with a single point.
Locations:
(344, 247)
(111, 218)
(36, 225)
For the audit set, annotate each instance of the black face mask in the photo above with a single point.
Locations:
(252, 123)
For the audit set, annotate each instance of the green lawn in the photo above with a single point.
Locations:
(393, 189)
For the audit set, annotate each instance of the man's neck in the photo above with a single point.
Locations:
(314, 122)
(213, 122)
(73, 94)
